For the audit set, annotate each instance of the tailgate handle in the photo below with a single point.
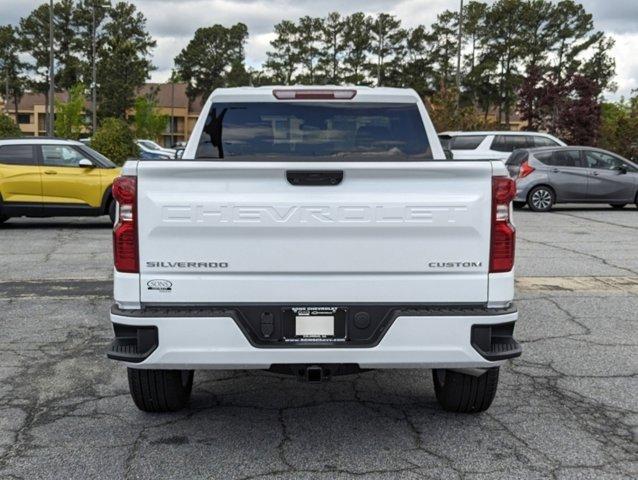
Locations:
(314, 177)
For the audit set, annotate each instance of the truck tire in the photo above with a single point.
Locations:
(160, 390)
(464, 393)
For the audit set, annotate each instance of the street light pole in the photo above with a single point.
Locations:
(51, 124)
(93, 77)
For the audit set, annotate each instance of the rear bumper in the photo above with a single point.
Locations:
(424, 338)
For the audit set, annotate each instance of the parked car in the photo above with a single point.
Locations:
(149, 146)
(493, 145)
(150, 155)
(546, 176)
(314, 231)
(49, 177)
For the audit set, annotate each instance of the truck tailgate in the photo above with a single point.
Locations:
(239, 232)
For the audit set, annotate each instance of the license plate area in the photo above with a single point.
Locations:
(312, 324)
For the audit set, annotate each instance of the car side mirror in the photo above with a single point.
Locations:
(179, 153)
(622, 170)
(85, 163)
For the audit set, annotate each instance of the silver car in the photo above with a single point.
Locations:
(546, 176)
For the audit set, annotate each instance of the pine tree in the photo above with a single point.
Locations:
(12, 80)
(283, 59)
(69, 66)
(334, 47)
(124, 64)
(307, 47)
(386, 48)
(357, 39)
(213, 58)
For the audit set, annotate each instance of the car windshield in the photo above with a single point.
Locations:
(314, 131)
(149, 145)
(98, 155)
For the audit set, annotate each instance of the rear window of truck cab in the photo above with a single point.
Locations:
(314, 131)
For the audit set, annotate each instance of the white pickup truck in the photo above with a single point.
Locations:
(314, 231)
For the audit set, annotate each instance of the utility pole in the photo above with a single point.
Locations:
(51, 123)
(458, 57)
(93, 77)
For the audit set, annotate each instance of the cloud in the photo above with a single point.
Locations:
(614, 16)
(626, 64)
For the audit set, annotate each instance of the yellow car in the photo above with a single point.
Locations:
(49, 177)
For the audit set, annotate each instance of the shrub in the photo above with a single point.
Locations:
(115, 140)
(69, 116)
(8, 127)
(148, 122)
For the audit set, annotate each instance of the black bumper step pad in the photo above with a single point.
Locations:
(495, 342)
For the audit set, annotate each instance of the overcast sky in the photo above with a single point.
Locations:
(173, 23)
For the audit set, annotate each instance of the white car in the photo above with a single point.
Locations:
(497, 145)
(151, 147)
(314, 231)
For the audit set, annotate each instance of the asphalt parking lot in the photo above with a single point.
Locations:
(567, 409)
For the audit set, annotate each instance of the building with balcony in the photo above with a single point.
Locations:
(171, 99)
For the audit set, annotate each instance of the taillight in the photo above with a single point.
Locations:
(318, 94)
(125, 251)
(525, 170)
(503, 232)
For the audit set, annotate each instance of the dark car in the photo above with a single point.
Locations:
(546, 176)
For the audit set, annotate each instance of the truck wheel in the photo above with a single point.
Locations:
(160, 390)
(541, 199)
(464, 393)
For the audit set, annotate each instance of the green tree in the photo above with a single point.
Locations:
(8, 128)
(148, 122)
(474, 14)
(418, 71)
(357, 39)
(386, 48)
(334, 47)
(307, 47)
(115, 140)
(69, 115)
(445, 47)
(446, 114)
(12, 80)
(83, 22)
(123, 64)
(283, 59)
(34, 36)
(69, 65)
(619, 127)
(601, 66)
(503, 47)
(213, 58)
